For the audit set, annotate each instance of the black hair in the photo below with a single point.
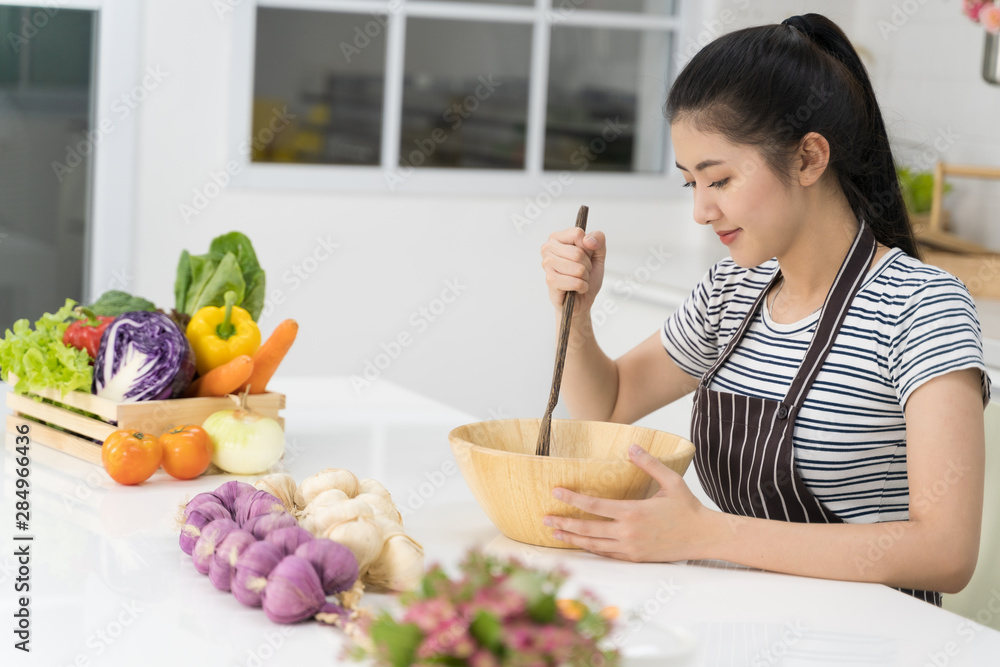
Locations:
(768, 86)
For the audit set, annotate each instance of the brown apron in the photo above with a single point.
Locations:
(744, 454)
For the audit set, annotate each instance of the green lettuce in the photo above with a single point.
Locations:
(229, 265)
(33, 359)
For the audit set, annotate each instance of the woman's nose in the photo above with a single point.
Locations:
(705, 210)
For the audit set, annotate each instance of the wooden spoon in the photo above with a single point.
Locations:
(545, 431)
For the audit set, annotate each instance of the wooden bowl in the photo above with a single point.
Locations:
(514, 487)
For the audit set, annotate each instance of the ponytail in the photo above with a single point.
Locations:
(789, 80)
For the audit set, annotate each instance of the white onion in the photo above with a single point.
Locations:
(243, 442)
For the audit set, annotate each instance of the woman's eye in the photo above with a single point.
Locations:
(716, 184)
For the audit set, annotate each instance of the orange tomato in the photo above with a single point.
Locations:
(187, 451)
(130, 456)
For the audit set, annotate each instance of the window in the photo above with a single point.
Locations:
(421, 95)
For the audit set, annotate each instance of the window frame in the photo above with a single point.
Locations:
(117, 51)
(432, 180)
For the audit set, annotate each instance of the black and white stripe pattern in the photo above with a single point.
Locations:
(746, 456)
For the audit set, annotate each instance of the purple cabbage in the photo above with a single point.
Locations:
(143, 356)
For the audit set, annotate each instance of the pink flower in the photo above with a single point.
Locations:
(502, 601)
(973, 8)
(430, 615)
(990, 18)
(483, 658)
(451, 638)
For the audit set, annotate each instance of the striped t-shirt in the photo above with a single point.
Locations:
(909, 323)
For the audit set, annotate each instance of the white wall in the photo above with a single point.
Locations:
(492, 348)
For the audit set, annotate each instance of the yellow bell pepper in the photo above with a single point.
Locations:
(220, 334)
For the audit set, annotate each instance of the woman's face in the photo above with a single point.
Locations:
(736, 193)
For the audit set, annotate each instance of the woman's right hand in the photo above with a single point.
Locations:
(574, 262)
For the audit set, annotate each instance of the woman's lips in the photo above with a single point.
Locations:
(728, 237)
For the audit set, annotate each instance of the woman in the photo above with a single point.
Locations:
(840, 383)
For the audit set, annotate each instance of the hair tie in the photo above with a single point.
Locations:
(799, 24)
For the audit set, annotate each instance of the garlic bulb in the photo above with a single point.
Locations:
(388, 526)
(331, 478)
(399, 566)
(328, 497)
(369, 485)
(281, 486)
(381, 505)
(321, 518)
(362, 536)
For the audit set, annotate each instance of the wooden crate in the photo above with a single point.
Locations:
(81, 435)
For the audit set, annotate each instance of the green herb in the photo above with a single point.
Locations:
(115, 302)
(229, 265)
(34, 359)
(917, 189)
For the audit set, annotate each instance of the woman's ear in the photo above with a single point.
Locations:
(812, 158)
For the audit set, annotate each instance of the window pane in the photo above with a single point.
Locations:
(496, 2)
(606, 90)
(47, 142)
(327, 69)
(644, 6)
(465, 94)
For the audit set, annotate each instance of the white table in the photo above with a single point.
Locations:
(109, 585)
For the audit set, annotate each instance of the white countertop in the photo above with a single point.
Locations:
(110, 586)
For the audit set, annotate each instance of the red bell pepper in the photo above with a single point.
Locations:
(85, 334)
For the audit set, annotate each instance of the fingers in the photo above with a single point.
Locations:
(584, 527)
(595, 544)
(611, 509)
(567, 263)
(652, 466)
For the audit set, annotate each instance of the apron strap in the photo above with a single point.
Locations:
(838, 302)
(706, 379)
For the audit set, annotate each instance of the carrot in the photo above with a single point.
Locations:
(269, 355)
(224, 379)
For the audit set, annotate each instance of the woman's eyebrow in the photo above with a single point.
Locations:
(704, 164)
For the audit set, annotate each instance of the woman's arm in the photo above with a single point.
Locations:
(642, 380)
(936, 549)
(594, 386)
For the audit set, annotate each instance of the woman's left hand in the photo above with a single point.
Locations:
(670, 526)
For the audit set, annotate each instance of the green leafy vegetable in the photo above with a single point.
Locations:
(115, 302)
(229, 265)
(33, 359)
(400, 640)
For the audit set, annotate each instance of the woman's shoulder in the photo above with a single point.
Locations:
(907, 282)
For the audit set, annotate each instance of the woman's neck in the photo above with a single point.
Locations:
(810, 264)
